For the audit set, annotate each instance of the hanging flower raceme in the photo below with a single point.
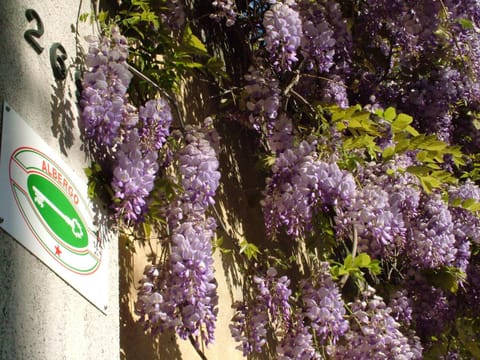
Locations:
(186, 297)
(192, 286)
(270, 306)
(466, 223)
(198, 166)
(104, 101)
(324, 306)
(401, 307)
(156, 312)
(225, 9)
(155, 120)
(383, 208)
(263, 101)
(433, 309)
(432, 241)
(375, 334)
(318, 43)
(300, 185)
(136, 160)
(380, 227)
(133, 178)
(298, 344)
(249, 326)
(283, 34)
(121, 143)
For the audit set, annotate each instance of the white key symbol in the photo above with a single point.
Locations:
(41, 199)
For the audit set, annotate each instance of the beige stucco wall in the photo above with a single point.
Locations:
(41, 316)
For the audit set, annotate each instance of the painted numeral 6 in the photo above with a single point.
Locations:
(58, 55)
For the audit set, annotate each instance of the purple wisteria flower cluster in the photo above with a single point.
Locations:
(320, 315)
(317, 42)
(155, 118)
(433, 309)
(382, 209)
(283, 28)
(184, 297)
(124, 140)
(133, 177)
(105, 107)
(175, 18)
(375, 334)
(136, 161)
(269, 309)
(433, 241)
(224, 9)
(297, 344)
(263, 100)
(300, 184)
(323, 306)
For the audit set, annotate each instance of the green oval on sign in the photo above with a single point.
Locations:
(57, 211)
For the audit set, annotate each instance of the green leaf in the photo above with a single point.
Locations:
(446, 278)
(341, 125)
(249, 249)
(468, 334)
(402, 145)
(431, 143)
(189, 64)
(147, 229)
(467, 24)
(92, 186)
(102, 16)
(375, 267)
(471, 204)
(401, 122)
(217, 67)
(192, 41)
(362, 260)
(338, 271)
(348, 262)
(412, 131)
(388, 152)
(422, 156)
(218, 244)
(429, 183)
(389, 114)
(139, 2)
(83, 17)
(418, 170)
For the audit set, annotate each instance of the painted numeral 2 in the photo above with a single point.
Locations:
(32, 34)
(58, 55)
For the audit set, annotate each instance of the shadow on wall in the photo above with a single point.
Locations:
(62, 116)
(134, 342)
(65, 98)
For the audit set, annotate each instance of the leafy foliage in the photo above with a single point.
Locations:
(363, 116)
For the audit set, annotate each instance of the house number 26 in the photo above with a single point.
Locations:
(58, 55)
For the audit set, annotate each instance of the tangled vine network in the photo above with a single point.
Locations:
(366, 121)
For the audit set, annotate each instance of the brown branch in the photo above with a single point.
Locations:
(194, 344)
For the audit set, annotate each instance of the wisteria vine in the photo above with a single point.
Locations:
(366, 121)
